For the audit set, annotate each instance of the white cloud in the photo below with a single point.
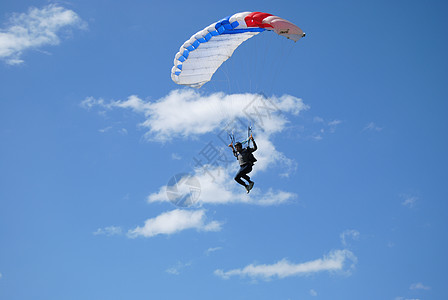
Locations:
(213, 249)
(34, 29)
(176, 156)
(419, 286)
(409, 201)
(187, 113)
(318, 120)
(350, 233)
(317, 137)
(334, 123)
(91, 102)
(106, 129)
(109, 231)
(313, 293)
(372, 127)
(175, 221)
(218, 187)
(335, 261)
(175, 270)
(324, 127)
(123, 131)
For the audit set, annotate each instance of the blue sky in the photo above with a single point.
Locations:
(350, 198)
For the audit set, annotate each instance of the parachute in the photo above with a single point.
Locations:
(200, 56)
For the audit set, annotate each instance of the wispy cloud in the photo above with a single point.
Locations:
(176, 269)
(335, 261)
(173, 222)
(372, 127)
(324, 127)
(109, 231)
(105, 129)
(409, 200)
(349, 234)
(419, 286)
(123, 131)
(176, 156)
(211, 250)
(35, 29)
(334, 123)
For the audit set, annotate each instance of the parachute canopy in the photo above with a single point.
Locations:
(200, 56)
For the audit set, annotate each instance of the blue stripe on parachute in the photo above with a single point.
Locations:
(223, 21)
(196, 44)
(227, 26)
(243, 30)
(223, 26)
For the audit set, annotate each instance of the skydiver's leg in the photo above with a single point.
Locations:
(246, 177)
(238, 179)
(247, 170)
(243, 173)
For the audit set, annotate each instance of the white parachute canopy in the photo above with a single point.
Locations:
(200, 56)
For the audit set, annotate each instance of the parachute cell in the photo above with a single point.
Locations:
(200, 56)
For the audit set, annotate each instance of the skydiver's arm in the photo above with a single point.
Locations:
(234, 151)
(255, 144)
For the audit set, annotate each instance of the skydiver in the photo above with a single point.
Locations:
(246, 160)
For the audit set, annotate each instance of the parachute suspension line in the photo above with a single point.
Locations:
(259, 64)
(281, 61)
(265, 52)
(226, 73)
(231, 138)
(255, 64)
(249, 134)
(251, 65)
(229, 106)
(231, 135)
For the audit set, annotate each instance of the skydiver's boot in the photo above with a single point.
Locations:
(251, 185)
(247, 188)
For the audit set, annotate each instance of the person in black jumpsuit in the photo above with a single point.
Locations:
(246, 160)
